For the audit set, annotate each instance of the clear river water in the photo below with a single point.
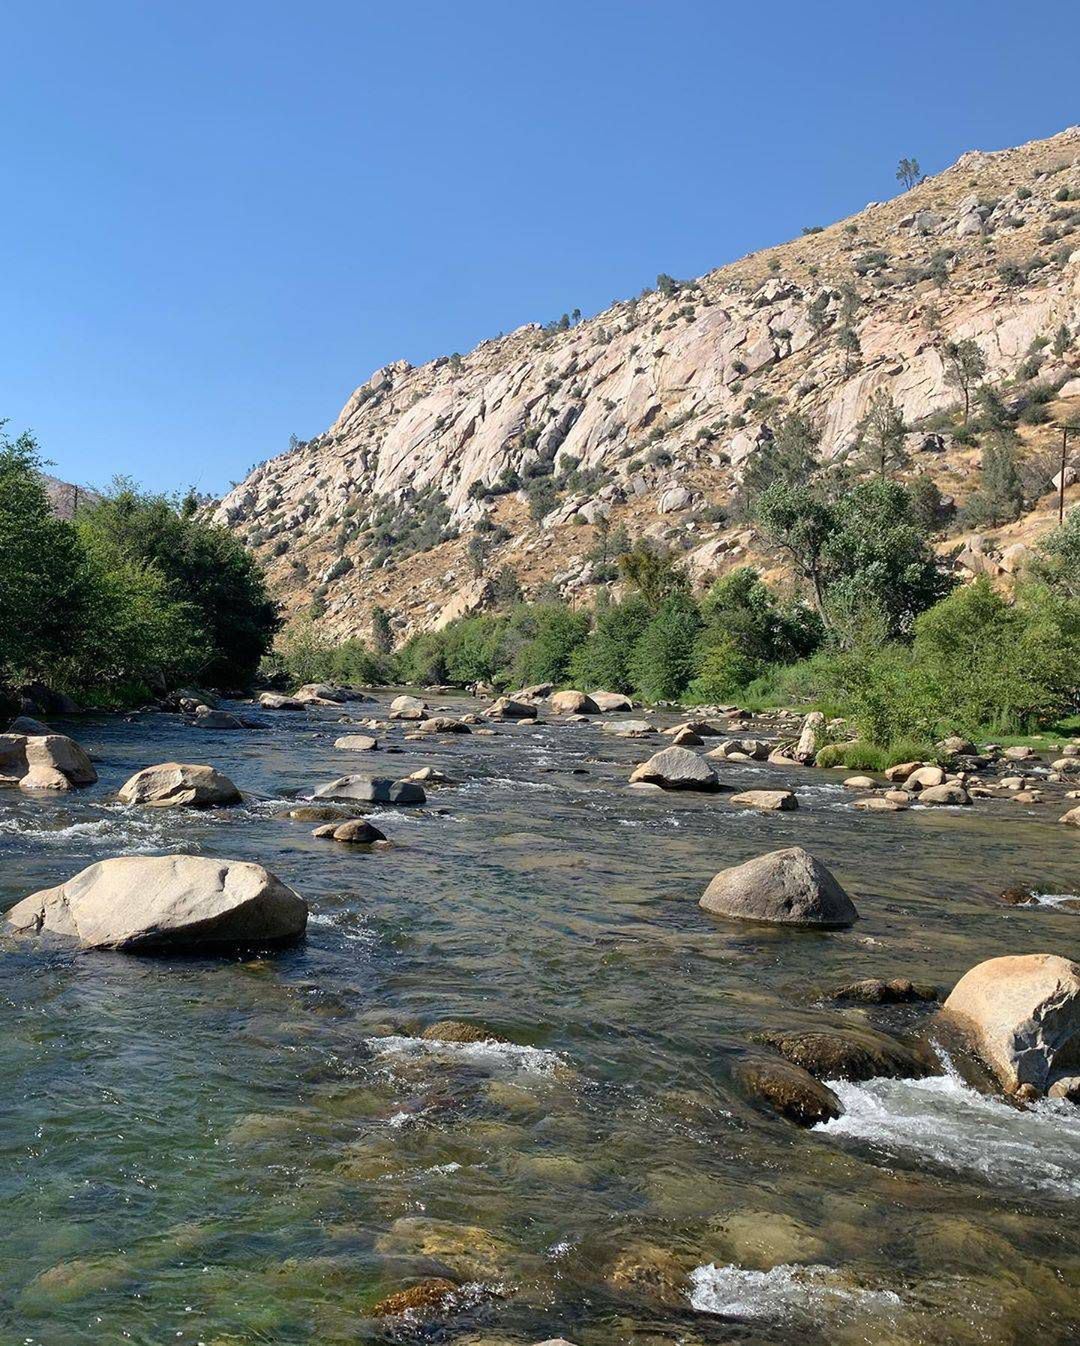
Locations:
(256, 1150)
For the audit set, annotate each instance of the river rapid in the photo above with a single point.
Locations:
(256, 1150)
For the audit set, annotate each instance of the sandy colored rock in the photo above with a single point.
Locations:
(951, 793)
(357, 743)
(785, 887)
(357, 831)
(676, 769)
(768, 801)
(278, 701)
(44, 762)
(408, 708)
(179, 784)
(879, 804)
(630, 728)
(573, 703)
(506, 708)
(162, 903)
(923, 777)
(609, 702)
(1021, 1015)
(860, 783)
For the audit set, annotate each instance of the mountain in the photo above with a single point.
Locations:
(65, 497)
(648, 413)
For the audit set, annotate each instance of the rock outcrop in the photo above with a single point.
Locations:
(144, 904)
(786, 887)
(647, 412)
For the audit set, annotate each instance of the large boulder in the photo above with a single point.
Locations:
(320, 694)
(278, 701)
(507, 708)
(810, 736)
(373, 790)
(786, 887)
(607, 702)
(141, 903)
(25, 724)
(573, 703)
(444, 724)
(408, 708)
(854, 1053)
(44, 762)
(1021, 1015)
(205, 718)
(952, 792)
(174, 784)
(676, 769)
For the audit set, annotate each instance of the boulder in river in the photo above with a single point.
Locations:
(356, 831)
(768, 801)
(44, 762)
(205, 718)
(785, 887)
(279, 701)
(1072, 818)
(851, 1053)
(573, 703)
(924, 777)
(356, 743)
(952, 792)
(1021, 1015)
(788, 1090)
(443, 724)
(810, 736)
(373, 790)
(408, 708)
(320, 694)
(427, 1296)
(676, 769)
(877, 991)
(161, 903)
(630, 728)
(507, 708)
(25, 724)
(879, 804)
(176, 784)
(608, 702)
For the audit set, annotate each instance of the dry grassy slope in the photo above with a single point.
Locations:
(663, 398)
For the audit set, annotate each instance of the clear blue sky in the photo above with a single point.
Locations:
(220, 217)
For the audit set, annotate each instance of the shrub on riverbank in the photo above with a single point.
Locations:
(136, 594)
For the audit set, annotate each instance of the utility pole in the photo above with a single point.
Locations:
(1061, 479)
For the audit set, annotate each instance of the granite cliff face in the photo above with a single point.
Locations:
(648, 412)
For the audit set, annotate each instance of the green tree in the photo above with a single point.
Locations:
(999, 496)
(551, 635)
(543, 497)
(382, 635)
(1056, 562)
(880, 445)
(662, 662)
(202, 564)
(653, 573)
(908, 173)
(797, 520)
(603, 660)
(507, 588)
(965, 367)
(790, 457)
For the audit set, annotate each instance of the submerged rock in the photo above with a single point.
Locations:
(788, 1090)
(165, 902)
(676, 769)
(785, 887)
(373, 790)
(853, 1054)
(876, 991)
(459, 1030)
(44, 762)
(417, 1299)
(1021, 1015)
(179, 784)
(464, 1250)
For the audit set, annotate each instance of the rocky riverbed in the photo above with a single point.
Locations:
(509, 1084)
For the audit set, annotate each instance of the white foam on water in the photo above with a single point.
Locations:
(1066, 900)
(941, 1119)
(497, 1055)
(120, 828)
(362, 936)
(784, 1291)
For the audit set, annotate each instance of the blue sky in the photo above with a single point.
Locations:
(219, 218)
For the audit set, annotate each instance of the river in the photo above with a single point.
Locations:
(255, 1150)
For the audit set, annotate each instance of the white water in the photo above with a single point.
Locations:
(532, 1060)
(782, 1292)
(1035, 1149)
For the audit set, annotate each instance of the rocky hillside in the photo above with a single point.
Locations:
(644, 416)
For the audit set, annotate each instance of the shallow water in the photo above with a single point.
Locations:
(255, 1151)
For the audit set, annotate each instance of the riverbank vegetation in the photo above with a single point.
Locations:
(135, 595)
(885, 638)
